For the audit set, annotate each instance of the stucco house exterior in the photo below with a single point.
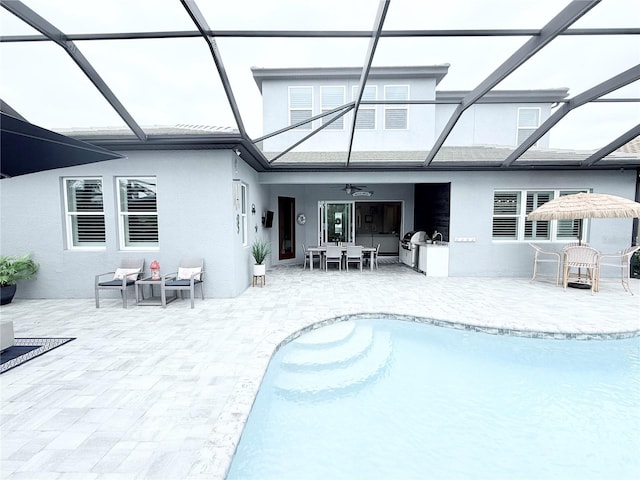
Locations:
(197, 192)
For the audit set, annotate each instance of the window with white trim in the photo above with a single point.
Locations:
(528, 122)
(244, 221)
(137, 213)
(332, 97)
(510, 210)
(366, 117)
(300, 106)
(84, 213)
(396, 117)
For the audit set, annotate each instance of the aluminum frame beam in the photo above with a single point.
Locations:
(200, 22)
(611, 147)
(608, 86)
(321, 34)
(31, 18)
(570, 14)
(381, 14)
(307, 137)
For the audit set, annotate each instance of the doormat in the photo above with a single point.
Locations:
(25, 349)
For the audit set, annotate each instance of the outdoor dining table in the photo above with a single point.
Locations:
(323, 249)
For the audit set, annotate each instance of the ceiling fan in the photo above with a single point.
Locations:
(350, 189)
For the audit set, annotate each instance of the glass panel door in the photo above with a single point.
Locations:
(336, 222)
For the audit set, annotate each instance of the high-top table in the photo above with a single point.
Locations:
(322, 249)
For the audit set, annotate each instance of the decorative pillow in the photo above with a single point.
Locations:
(130, 273)
(185, 273)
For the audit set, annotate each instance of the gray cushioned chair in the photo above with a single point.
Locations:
(131, 269)
(190, 275)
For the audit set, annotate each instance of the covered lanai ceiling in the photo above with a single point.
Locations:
(147, 74)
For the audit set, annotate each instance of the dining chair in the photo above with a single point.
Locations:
(621, 261)
(374, 256)
(581, 257)
(354, 255)
(333, 255)
(542, 256)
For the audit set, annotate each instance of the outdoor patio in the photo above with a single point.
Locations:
(156, 393)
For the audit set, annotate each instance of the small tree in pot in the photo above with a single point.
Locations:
(260, 250)
(13, 269)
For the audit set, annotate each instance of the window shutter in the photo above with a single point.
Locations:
(395, 119)
(138, 212)
(85, 213)
(505, 211)
(366, 116)
(300, 106)
(332, 97)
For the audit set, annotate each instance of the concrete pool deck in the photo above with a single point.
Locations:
(152, 393)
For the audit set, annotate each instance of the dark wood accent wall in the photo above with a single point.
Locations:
(432, 208)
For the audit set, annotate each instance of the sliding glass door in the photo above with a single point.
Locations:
(336, 222)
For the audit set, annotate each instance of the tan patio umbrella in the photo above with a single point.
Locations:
(586, 205)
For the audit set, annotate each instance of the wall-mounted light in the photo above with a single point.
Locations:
(253, 208)
(237, 151)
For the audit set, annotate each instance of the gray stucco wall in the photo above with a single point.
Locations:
(471, 210)
(196, 218)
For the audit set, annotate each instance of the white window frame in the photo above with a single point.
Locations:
(306, 126)
(396, 107)
(338, 124)
(354, 94)
(71, 216)
(520, 127)
(521, 216)
(244, 220)
(122, 215)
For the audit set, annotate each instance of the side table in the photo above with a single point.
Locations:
(152, 300)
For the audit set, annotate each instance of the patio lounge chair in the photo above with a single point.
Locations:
(124, 277)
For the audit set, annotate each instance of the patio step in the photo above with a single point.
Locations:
(333, 354)
(312, 383)
(326, 336)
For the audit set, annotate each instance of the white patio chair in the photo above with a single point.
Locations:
(545, 256)
(333, 255)
(581, 257)
(622, 261)
(354, 255)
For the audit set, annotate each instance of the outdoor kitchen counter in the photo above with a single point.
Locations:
(433, 259)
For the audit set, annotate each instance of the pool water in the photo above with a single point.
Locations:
(388, 399)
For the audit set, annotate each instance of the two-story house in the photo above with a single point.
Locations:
(211, 198)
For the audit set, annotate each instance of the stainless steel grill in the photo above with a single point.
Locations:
(408, 251)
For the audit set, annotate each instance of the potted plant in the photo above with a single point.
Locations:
(260, 250)
(13, 269)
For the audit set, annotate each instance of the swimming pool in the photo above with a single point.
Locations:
(387, 399)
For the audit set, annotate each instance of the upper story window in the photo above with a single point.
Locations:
(84, 213)
(330, 98)
(510, 210)
(300, 106)
(396, 116)
(366, 117)
(137, 213)
(528, 122)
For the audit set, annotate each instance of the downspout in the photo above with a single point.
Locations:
(635, 235)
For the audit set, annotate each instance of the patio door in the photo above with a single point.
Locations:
(336, 222)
